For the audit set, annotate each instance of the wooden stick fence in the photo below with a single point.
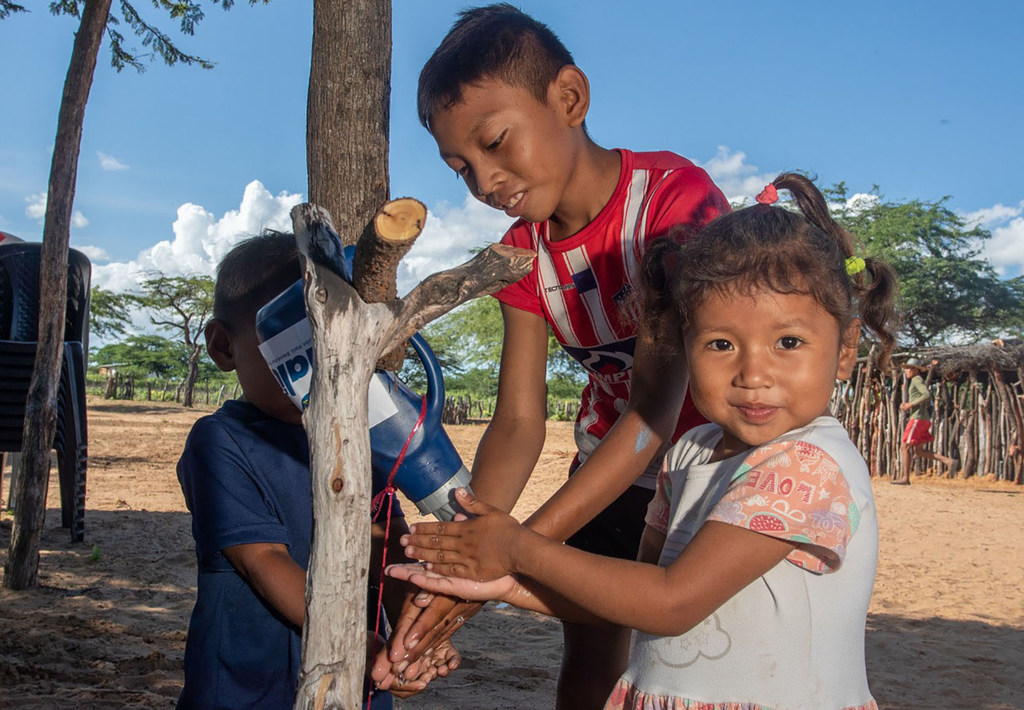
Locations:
(977, 411)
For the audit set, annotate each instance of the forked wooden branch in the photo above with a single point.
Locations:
(349, 336)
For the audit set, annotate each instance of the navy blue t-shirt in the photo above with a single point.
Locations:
(246, 479)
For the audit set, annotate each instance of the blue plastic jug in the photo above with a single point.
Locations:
(431, 469)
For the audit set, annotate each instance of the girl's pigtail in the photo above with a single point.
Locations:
(875, 286)
(812, 205)
(877, 300)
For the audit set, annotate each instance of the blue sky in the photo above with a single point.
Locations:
(925, 99)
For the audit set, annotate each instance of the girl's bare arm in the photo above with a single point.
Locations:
(721, 560)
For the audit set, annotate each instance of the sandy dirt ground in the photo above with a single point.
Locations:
(106, 626)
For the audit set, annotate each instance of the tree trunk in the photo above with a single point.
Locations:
(349, 335)
(41, 407)
(193, 375)
(348, 110)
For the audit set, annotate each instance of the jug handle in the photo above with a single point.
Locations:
(435, 380)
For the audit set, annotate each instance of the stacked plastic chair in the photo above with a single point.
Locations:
(19, 326)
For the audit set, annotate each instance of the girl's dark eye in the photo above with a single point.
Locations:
(789, 342)
(720, 344)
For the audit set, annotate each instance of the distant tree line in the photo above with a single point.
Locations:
(950, 295)
(177, 306)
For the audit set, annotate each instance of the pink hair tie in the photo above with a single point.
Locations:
(768, 195)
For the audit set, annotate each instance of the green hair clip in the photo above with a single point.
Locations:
(854, 265)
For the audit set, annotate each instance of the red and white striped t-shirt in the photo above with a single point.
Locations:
(579, 284)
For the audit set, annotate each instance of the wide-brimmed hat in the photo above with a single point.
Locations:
(914, 362)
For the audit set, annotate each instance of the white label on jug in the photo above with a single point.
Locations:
(381, 405)
(290, 357)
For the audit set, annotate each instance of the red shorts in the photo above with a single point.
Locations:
(918, 432)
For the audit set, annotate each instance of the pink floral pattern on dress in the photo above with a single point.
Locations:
(625, 697)
(795, 491)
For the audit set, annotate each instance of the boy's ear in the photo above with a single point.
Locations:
(571, 92)
(848, 350)
(218, 344)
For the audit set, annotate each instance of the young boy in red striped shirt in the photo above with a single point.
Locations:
(506, 105)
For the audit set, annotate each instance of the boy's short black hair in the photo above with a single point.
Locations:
(492, 42)
(252, 273)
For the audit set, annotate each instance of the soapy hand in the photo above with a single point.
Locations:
(408, 678)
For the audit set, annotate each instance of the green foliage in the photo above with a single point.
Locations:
(9, 8)
(564, 371)
(949, 292)
(108, 312)
(188, 14)
(565, 386)
(96, 554)
(145, 356)
(470, 336)
(182, 304)
(468, 343)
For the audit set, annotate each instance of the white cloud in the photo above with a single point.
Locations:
(36, 210)
(201, 239)
(36, 206)
(994, 215)
(1005, 250)
(734, 177)
(109, 162)
(95, 254)
(448, 238)
(861, 201)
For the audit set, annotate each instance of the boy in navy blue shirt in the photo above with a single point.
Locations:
(246, 479)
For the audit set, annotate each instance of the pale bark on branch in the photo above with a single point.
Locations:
(349, 336)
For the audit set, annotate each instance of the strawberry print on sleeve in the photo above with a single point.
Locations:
(794, 491)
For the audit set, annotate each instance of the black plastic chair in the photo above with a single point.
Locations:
(19, 320)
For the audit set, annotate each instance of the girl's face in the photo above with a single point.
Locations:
(765, 364)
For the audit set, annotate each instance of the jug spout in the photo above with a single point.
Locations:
(441, 502)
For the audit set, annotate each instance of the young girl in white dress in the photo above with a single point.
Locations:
(752, 585)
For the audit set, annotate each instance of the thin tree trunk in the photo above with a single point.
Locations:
(349, 335)
(41, 410)
(193, 375)
(348, 111)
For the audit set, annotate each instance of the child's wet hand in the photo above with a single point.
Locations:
(467, 589)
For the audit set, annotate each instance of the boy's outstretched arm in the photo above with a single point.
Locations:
(512, 442)
(657, 389)
(504, 460)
